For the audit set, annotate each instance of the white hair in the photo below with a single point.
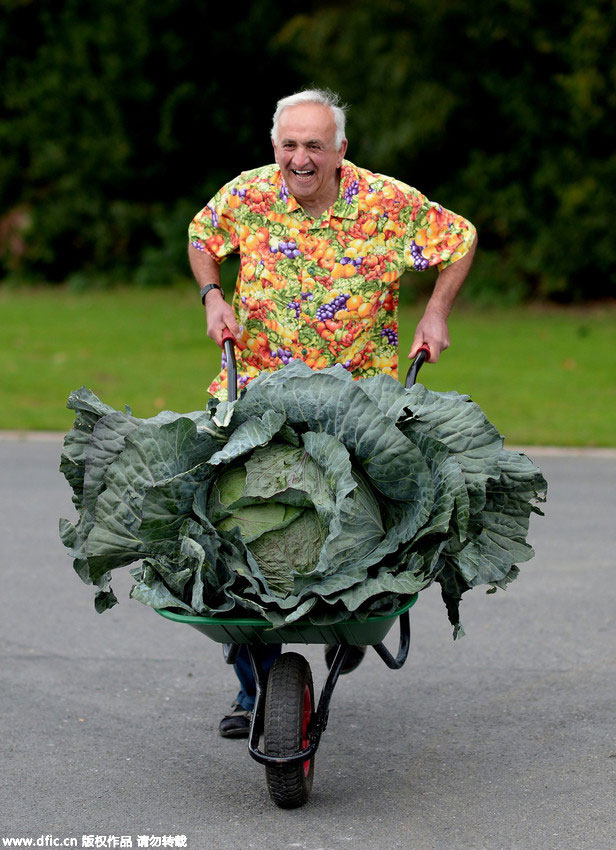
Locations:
(324, 97)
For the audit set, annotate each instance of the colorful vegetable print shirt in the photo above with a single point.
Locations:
(323, 290)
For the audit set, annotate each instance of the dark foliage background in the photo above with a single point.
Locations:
(119, 120)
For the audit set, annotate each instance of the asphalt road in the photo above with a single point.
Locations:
(503, 740)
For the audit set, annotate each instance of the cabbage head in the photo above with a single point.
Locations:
(312, 496)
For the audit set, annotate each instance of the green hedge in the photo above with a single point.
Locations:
(121, 119)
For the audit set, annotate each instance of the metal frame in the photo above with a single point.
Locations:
(318, 723)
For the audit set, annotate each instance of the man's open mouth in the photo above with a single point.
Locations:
(302, 174)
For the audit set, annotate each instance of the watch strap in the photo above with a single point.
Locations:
(205, 289)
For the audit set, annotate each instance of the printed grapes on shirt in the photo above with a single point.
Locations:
(323, 290)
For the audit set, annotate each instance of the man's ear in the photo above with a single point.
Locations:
(275, 150)
(342, 150)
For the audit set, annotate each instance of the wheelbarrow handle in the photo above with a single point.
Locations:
(228, 345)
(420, 358)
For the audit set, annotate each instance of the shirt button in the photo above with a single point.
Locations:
(304, 351)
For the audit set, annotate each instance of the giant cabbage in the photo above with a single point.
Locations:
(312, 496)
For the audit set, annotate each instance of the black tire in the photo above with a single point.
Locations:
(289, 705)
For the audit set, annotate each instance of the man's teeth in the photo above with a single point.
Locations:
(295, 171)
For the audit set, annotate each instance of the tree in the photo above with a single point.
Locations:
(119, 121)
(504, 111)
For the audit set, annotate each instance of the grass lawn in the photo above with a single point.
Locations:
(542, 376)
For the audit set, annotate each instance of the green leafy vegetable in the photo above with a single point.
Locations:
(312, 496)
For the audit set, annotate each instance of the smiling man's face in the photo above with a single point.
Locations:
(306, 152)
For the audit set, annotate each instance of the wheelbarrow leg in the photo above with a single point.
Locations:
(258, 712)
(403, 646)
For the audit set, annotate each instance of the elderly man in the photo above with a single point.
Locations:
(322, 245)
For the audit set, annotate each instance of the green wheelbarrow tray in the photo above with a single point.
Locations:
(368, 632)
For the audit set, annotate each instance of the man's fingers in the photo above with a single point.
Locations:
(431, 332)
(235, 329)
(425, 348)
(228, 320)
(220, 318)
(432, 355)
(418, 343)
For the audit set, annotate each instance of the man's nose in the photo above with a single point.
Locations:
(300, 156)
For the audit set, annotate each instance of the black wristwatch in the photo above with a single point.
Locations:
(204, 291)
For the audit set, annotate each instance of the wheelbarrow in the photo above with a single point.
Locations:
(286, 724)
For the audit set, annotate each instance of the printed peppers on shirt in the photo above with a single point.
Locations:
(323, 290)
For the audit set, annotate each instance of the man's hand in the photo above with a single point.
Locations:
(220, 316)
(431, 331)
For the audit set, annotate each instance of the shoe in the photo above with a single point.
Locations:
(353, 660)
(236, 724)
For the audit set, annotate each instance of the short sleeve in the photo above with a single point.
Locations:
(214, 229)
(434, 235)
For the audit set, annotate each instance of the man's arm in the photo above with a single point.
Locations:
(219, 314)
(432, 329)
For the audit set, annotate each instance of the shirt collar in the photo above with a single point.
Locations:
(345, 206)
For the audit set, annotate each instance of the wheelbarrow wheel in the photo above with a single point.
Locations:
(289, 705)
